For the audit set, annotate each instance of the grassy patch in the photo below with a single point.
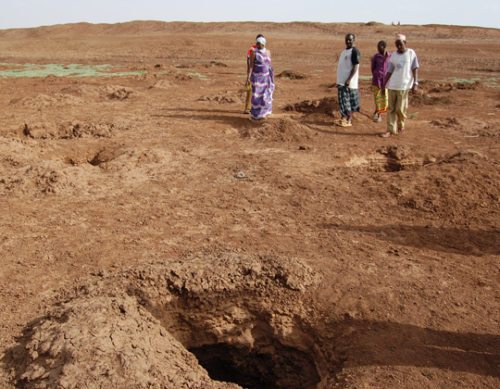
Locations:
(59, 70)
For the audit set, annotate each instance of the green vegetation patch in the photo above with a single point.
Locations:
(59, 70)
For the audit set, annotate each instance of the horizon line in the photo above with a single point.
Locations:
(246, 21)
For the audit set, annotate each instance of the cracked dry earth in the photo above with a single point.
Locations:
(151, 236)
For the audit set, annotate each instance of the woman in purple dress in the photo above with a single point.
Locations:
(262, 79)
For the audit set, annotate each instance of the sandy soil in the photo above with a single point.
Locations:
(151, 236)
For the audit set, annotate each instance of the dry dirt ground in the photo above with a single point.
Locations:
(151, 236)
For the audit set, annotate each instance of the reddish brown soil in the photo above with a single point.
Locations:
(146, 216)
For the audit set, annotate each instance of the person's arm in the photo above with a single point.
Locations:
(414, 71)
(373, 64)
(250, 67)
(415, 80)
(387, 77)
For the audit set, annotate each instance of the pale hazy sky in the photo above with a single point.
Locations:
(31, 13)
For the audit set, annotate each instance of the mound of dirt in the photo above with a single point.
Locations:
(107, 342)
(46, 177)
(152, 327)
(44, 101)
(291, 75)
(455, 186)
(183, 77)
(439, 87)
(423, 98)
(326, 105)
(216, 64)
(162, 84)
(399, 158)
(114, 92)
(82, 90)
(221, 99)
(280, 130)
(450, 122)
(70, 130)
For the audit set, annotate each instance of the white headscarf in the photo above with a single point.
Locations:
(261, 40)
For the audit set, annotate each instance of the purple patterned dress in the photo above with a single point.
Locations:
(262, 80)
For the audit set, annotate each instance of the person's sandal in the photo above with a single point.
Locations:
(342, 123)
(386, 134)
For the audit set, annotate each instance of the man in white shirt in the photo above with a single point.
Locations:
(347, 82)
(402, 76)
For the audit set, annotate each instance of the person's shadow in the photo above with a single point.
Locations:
(453, 240)
(374, 343)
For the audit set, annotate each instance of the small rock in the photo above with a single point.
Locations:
(241, 175)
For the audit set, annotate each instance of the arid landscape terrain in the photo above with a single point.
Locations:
(152, 236)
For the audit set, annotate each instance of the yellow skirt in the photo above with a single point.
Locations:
(381, 100)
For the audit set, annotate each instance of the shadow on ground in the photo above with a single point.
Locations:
(453, 240)
(373, 343)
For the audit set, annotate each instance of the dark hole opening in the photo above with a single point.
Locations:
(276, 367)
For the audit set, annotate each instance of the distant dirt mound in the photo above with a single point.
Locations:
(184, 77)
(216, 64)
(280, 130)
(162, 84)
(326, 105)
(114, 92)
(423, 98)
(450, 122)
(439, 87)
(153, 326)
(225, 98)
(44, 101)
(82, 90)
(291, 75)
(69, 130)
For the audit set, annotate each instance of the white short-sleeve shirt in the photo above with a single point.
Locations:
(401, 66)
(345, 65)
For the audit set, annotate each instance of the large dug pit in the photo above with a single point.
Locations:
(221, 322)
(276, 366)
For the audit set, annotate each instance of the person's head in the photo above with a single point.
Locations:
(349, 40)
(381, 46)
(259, 36)
(261, 42)
(400, 43)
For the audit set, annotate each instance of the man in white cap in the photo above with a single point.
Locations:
(402, 76)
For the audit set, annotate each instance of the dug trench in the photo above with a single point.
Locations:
(225, 321)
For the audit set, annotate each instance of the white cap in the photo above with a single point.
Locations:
(261, 40)
(401, 37)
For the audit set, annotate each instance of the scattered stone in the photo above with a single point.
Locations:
(241, 175)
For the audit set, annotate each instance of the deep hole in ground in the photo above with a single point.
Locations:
(203, 322)
(273, 368)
